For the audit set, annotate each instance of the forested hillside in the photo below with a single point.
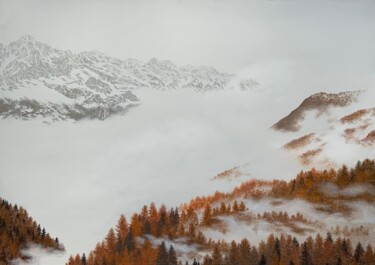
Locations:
(18, 230)
(317, 186)
(168, 237)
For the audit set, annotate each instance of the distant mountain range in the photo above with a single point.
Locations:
(39, 81)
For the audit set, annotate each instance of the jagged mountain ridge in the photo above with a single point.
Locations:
(37, 80)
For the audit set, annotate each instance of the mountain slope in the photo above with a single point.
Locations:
(18, 231)
(37, 80)
(320, 102)
(315, 203)
(327, 126)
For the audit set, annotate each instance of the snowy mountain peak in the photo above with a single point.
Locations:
(26, 38)
(26, 46)
(37, 80)
(24, 41)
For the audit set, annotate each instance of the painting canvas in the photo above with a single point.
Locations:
(210, 132)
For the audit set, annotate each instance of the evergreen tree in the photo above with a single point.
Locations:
(305, 257)
(245, 252)
(174, 217)
(277, 250)
(83, 259)
(135, 225)
(343, 176)
(43, 233)
(39, 230)
(329, 237)
(162, 257)
(242, 206)
(129, 240)
(262, 260)
(358, 253)
(223, 208)
(162, 222)
(191, 232)
(122, 229)
(233, 254)
(207, 215)
(235, 206)
(146, 228)
(217, 259)
(172, 257)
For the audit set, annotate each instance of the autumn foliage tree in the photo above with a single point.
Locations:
(133, 243)
(18, 230)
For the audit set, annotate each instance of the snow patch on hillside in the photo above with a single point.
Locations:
(39, 255)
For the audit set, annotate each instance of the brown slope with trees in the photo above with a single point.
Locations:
(18, 230)
(122, 245)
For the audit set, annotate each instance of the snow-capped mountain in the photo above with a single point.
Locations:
(37, 80)
(327, 127)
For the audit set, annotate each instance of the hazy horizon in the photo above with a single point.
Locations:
(321, 37)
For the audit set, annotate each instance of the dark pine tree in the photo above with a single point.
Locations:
(233, 254)
(305, 257)
(161, 223)
(162, 258)
(277, 249)
(129, 240)
(262, 260)
(217, 258)
(358, 253)
(83, 259)
(146, 229)
(119, 246)
(295, 242)
(172, 257)
(43, 233)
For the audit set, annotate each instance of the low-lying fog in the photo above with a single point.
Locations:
(361, 220)
(77, 178)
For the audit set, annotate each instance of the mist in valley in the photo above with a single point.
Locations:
(76, 178)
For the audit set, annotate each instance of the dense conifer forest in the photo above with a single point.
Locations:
(134, 242)
(18, 231)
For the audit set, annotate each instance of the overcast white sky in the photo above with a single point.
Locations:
(337, 37)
